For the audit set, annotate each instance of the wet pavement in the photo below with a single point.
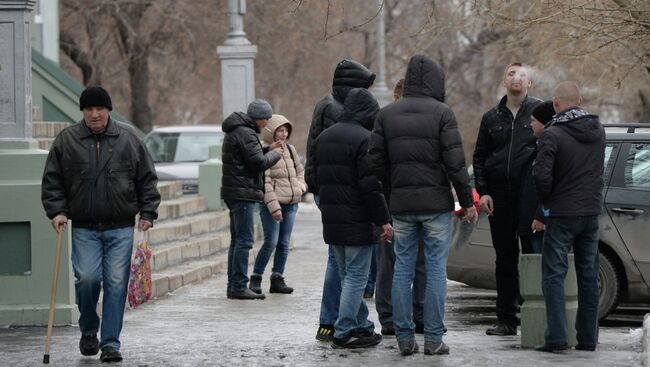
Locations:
(198, 326)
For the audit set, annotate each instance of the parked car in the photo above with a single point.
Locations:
(178, 150)
(624, 247)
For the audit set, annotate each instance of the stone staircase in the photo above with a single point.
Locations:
(189, 243)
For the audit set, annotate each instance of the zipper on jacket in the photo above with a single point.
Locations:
(289, 173)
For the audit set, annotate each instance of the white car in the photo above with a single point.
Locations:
(178, 150)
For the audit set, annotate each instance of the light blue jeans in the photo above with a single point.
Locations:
(102, 257)
(277, 235)
(354, 265)
(435, 229)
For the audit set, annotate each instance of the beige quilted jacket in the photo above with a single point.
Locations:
(285, 181)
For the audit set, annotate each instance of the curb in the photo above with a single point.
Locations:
(645, 340)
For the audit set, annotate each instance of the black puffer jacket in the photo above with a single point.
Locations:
(503, 146)
(100, 181)
(348, 74)
(351, 199)
(417, 140)
(244, 161)
(569, 166)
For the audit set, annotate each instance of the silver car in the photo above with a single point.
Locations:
(624, 246)
(178, 150)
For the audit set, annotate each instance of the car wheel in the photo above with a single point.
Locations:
(610, 287)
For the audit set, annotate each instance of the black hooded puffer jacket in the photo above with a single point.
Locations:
(348, 74)
(417, 140)
(351, 200)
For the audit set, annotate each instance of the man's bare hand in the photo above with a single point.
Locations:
(278, 146)
(59, 222)
(144, 225)
(538, 226)
(471, 215)
(486, 204)
(386, 232)
(277, 215)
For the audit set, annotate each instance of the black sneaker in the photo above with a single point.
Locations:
(589, 348)
(325, 333)
(357, 340)
(502, 330)
(89, 345)
(407, 346)
(245, 294)
(110, 354)
(431, 348)
(550, 348)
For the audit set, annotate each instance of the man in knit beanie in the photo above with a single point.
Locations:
(242, 185)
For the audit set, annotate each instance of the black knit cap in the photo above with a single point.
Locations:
(95, 97)
(544, 112)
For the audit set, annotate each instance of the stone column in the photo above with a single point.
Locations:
(237, 56)
(27, 240)
(379, 89)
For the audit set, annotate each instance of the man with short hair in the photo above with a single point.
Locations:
(242, 185)
(416, 140)
(504, 147)
(568, 174)
(99, 175)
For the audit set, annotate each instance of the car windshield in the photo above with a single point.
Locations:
(168, 147)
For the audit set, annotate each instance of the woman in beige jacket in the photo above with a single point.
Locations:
(283, 189)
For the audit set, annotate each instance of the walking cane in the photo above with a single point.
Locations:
(55, 280)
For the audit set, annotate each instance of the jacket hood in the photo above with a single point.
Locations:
(360, 107)
(350, 74)
(238, 119)
(424, 77)
(274, 123)
(578, 123)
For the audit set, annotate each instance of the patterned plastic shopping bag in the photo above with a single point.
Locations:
(140, 286)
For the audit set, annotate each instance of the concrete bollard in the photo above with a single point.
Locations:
(210, 173)
(533, 311)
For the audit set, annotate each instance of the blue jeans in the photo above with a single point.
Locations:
(276, 236)
(561, 234)
(372, 276)
(354, 265)
(435, 230)
(102, 257)
(329, 306)
(241, 242)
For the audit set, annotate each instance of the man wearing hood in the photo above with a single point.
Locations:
(568, 172)
(416, 140)
(242, 185)
(353, 208)
(349, 74)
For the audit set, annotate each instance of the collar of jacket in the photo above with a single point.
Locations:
(111, 129)
(504, 100)
(570, 114)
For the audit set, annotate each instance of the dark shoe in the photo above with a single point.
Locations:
(357, 340)
(89, 345)
(110, 354)
(431, 348)
(255, 284)
(502, 330)
(550, 348)
(387, 330)
(590, 348)
(367, 295)
(245, 294)
(278, 285)
(325, 333)
(407, 346)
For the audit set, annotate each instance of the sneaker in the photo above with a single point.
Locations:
(357, 340)
(89, 345)
(110, 354)
(590, 348)
(550, 348)
(245, 294)
(432, 348)
(325, 333)
(502, 330)
(407, 346)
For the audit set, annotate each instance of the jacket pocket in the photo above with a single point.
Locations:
(121, 188)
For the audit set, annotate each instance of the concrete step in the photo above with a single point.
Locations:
(180, 207)
(45, 143)
(47, 129)
(170, 190)
(185, 227)
(197, 247)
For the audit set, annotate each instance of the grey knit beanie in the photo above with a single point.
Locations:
(259, 109)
